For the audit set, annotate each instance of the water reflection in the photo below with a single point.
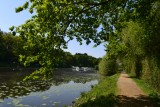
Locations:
(58, 91)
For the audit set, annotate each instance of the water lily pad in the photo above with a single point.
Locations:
(1, 101)
(16, 101)
(44, 97)
(56, 102)
(4, 86)
(9, 103)
(44, 104)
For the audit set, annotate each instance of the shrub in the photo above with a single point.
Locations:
(107, 66)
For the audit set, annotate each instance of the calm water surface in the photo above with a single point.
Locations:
(62, 89)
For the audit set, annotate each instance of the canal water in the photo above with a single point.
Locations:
(60, 90)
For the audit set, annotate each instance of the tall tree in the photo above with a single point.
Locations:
(55, 23)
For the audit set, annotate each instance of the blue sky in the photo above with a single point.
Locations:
(8, 18)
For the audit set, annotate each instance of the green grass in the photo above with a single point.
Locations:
(101, 95)
(149, 90)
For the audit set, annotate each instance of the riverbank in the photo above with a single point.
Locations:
(101, 95)
(108, 93)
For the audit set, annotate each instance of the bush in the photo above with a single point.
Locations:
(151, 72)
(107, 66)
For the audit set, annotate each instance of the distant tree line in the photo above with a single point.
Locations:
(79, 59)
(12, 47)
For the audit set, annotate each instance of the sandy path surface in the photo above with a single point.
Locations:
(130, 94)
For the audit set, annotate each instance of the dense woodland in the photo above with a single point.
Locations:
(12, 46)
(135, 44)
(80, 60)
(131, 28)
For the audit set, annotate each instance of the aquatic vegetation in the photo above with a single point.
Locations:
(44, 104)
(52, 92)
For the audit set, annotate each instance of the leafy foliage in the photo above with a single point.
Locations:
(102, 67)
(107, 66)
(131, 28)
(55, 23)
(10, 47)
(133, 38)
(139, 41)
(81, 60)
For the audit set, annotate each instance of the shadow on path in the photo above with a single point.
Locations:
(120, 101)
(138, 101)
(131, 95)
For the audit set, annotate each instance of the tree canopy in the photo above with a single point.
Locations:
(55, 23)
(11, 47)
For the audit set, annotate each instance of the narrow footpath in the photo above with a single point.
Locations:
(130, 94)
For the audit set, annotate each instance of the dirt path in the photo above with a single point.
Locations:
(130, 94)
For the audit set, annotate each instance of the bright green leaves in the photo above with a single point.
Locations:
(21, 8)
(107, 66)
(11, 28)
(44, 34)
(128, 43)
(92, 20)
(25, 6)
(42, 74)
(133, 36)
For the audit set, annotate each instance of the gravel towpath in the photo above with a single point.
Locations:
(130, 95)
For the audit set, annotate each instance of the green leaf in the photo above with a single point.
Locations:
(26, 5)
(11, 28)
(19, 9)
(35, 77)
(13, 33)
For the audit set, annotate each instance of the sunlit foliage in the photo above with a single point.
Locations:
(131, 28)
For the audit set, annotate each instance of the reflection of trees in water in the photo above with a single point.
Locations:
(13, 86)
(65, 77)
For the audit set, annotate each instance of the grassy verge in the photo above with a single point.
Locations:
(150, 91)
(101, 95)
